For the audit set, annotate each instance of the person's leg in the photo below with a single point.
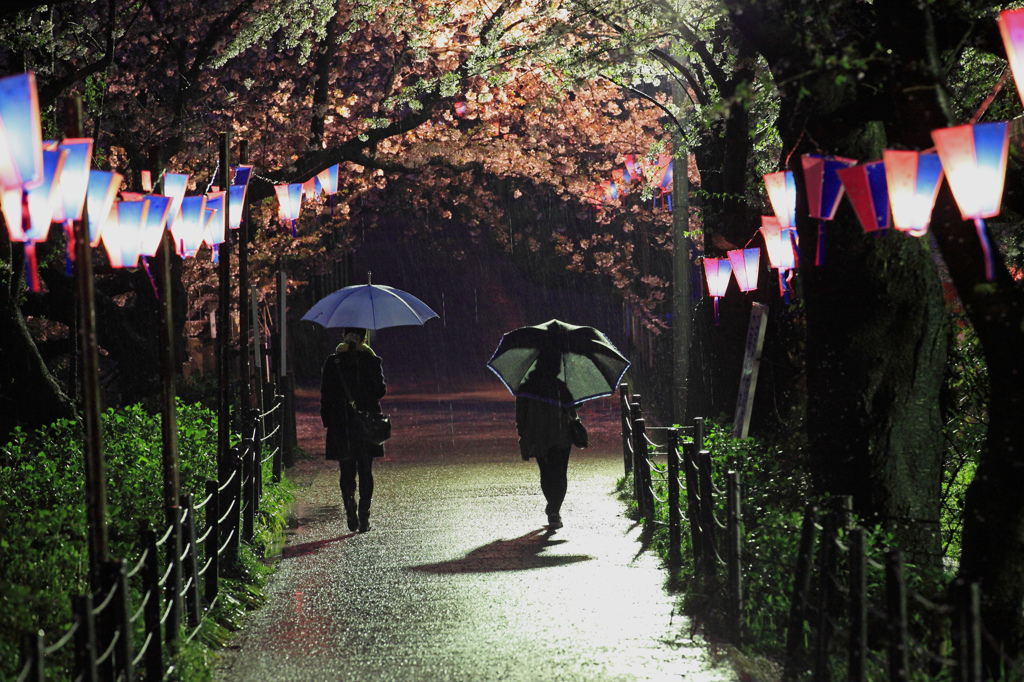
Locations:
(365, 467)
(554, 482)
(347, 480)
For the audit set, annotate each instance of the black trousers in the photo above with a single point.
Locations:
(554, 480)
(361, 467)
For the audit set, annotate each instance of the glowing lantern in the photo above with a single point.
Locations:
(192, 226)
(147, 181)
(74, 179)
(460, 109)
(633, 168)
(214, 235)
(824, 191)
(1011, 26)
(44, 200)
(122, 233)
(781, 254)
(290, 199)
(21, 139)
(866, 187)
(236, 194)
(175, 185)
(155, 224)
(99, 199)
(974, 159)
(744, 265)
(609, 190)
(717, 271)
(309, 189)
(913, 180)
(782, 193)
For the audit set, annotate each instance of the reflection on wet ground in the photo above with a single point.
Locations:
(458, 579)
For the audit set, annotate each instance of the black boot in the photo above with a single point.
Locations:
(364, 521)
(350, 512)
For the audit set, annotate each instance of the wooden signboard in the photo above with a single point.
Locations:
(751, 362)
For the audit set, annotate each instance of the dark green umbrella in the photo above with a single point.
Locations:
(575, 363)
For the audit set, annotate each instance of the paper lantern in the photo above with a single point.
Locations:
(21, 139)
(44, 200)
(913, 181)
(782, 194)
(779, 244)
(1011, 26)
(824, 191)
(74, 179)
(867, 190)
(290, 199)
(99, 199)
(663, 179)
(744, 265)
(974, 160)
(192, 225)
(214, 235)
(309, 189)
(634, 168)
(155, 224)
(122, 232)
(236, 194)
(717, 271)
(609, 190)
(328, 178)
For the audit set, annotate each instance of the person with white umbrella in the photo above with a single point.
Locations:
(352, 385)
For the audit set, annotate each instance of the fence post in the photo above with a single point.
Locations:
(693, 503)
(896, 602)
(968, 629)
(709, 561)
(735, 542)
(698, 433)
(116, 579)
(235, 488)
(627, 433)
(674, 520)
(858, 607)
(190, 568)
(826, 596)
(154, 611)
(33, 656)
(172, 590)
(801, 588)
(85, 639)
(249, 490)
(212, 549)
(639, 452)
(278, 455)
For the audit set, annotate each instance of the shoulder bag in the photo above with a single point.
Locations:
(579, 432)
(372, 427)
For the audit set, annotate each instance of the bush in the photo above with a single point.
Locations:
(43, 523)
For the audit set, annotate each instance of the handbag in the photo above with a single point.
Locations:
(579, 433)
(373, 428)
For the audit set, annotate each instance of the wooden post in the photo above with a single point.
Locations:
(709, 560)
(172, 589)
(249, 491)
(751, 363)
(857, 670)
(693, 503)
(698, 433)
(801, 589)
(896, 608)
(33, 656)
(212, 549)
(826, 572)
(223, 346)
(968, 616)
(95, 473)
(190, 568)
(154, 609)
(235, 523)
(245, 375)
(674, 519)
(117, 581)
(735, 546)
(85, 639)
(287, 385)
(641, 469)
(627, 434)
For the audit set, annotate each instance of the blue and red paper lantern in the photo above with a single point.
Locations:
(868, 191)
(824, 191)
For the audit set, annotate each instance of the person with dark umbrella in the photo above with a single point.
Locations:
(545, 430)
(353, 374)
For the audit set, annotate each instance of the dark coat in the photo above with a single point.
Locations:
(542, 425)
(364, 375)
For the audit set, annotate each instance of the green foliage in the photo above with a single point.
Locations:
(43, 524)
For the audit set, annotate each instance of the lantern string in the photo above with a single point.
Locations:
(819, 257)
(149, 274)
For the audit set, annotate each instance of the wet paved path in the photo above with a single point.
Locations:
(457, 578)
